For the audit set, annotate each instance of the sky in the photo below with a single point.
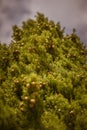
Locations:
(70, 13)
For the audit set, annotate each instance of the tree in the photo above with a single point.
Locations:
(46, 78)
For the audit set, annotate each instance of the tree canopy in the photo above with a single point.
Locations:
(43, 78)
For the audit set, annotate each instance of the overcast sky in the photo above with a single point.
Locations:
(70, 13)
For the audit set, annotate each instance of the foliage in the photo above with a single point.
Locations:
(43, 78)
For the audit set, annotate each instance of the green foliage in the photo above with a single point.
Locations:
(7, 117)
(50, 121)
(43, 78)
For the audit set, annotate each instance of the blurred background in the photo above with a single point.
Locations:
(70, 13)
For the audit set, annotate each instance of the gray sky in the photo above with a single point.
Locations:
(70, 13)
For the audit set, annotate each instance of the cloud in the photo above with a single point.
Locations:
(14, 11)
(11, 12)
(82, 32)
(83, 5)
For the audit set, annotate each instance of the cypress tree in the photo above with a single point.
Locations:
(43, 78)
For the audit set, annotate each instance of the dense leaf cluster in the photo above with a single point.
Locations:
(43, 78)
